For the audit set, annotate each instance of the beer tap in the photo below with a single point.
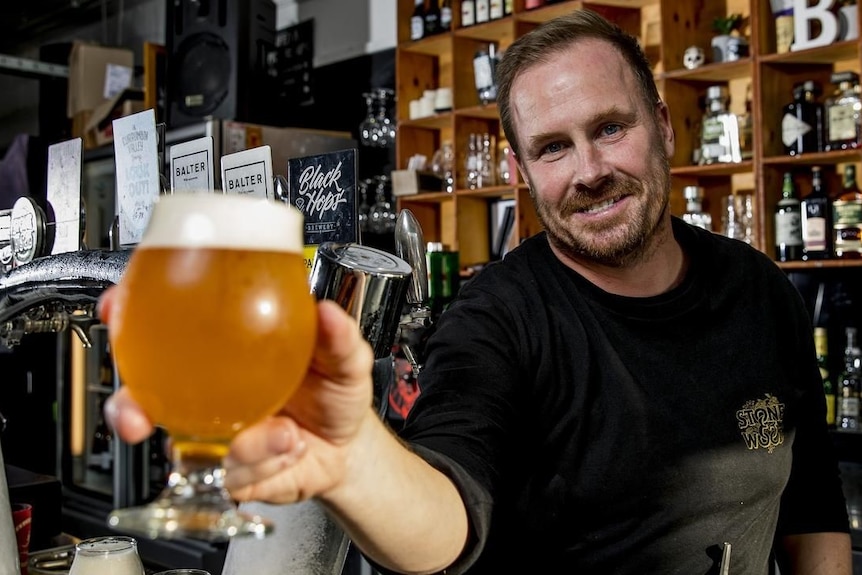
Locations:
(410, 246)
(53, 293)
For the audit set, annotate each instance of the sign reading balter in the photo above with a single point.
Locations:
(192, 165)
(323, 188)
(248, 173)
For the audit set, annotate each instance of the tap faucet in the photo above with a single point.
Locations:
(53, 293)
(410, 246)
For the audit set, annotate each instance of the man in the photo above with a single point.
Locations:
(622, 394)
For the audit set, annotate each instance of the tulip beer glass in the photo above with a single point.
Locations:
(107, 556)
(212, 329)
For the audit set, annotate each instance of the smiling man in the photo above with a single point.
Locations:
(622, 394)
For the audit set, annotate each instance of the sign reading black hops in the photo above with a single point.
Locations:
(323, 188)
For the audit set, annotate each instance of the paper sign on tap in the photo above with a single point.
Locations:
(138, 183)
(192, 168)
(64, 194)
(248, 173)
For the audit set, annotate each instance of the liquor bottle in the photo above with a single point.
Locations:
(788, 223)
(821, 348)
(508, 7)
(417, 21)
(802, 120)
(471, 162)
(720, 130)
(484, 71)
(468, 13)
(844, 113)
(847, 416)
(483, 11)
(694, 213)
(816, 220)
(847, 218)
(495, 9)
(446, 16)
(432, 18)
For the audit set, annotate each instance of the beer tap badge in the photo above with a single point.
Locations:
(248, 173)
(323, 188)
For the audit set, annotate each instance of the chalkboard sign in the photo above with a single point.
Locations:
(291, 64)
(323, 188)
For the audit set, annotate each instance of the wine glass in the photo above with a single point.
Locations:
(368, 130)
(386, 128)
(382, 216)
(212, 329)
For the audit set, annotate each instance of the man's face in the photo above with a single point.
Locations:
(594, 154)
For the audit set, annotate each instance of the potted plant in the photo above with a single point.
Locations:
(728, 44)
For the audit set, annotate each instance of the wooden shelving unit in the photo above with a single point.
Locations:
(666, 28)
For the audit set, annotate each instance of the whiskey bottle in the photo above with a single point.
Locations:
(816, 220)
(847, 416)
(802, 120)
(821, 349)
(495, 9)
(694, 213)
(843, 114)
(788, 223)
(417, 21)
(847, 218)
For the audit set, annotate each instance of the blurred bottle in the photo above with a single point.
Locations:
(471, 162)
(486, 167)
(821, 347)
(788, 223)
(802, 121)
(468, 13)
(446, 16)
(694, 213)
(817, 220)
(847, 218)
(417, 20)
(484, 74)
(483, 11)
(432, 18)
(843, 111)
(847, 417)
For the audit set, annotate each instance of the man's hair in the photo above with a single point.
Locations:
(555, 36)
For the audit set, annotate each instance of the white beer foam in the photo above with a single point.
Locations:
(217, 220)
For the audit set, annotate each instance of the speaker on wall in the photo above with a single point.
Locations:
(216, 63)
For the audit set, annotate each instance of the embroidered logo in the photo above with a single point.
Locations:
(761, 422)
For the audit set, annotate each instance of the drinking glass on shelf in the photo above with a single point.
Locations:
(112, 555)
(386, 127)
(382, 216)
(368, 130)
(212, 329)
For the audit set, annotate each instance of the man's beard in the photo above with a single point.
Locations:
(622, 243)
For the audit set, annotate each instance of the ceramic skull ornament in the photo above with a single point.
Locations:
(694, 57)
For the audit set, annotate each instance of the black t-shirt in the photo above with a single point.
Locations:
(595, 433)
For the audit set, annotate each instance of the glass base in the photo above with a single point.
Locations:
(209, 522)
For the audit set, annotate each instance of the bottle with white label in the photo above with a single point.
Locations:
(468, 13)
(495, 9)
(483, 11)
(417, 21)
(844, 113)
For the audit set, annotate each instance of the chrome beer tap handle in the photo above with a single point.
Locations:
(410, 246)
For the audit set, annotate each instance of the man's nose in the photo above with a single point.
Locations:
(590, 167)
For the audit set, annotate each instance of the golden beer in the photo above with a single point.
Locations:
(212, 328)
(243, 320)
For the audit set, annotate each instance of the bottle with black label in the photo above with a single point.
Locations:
(432, 18)
(817, 220)
(417, 21)
(802, 121)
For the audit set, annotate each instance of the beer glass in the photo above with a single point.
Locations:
(113, 555)
(212, 329)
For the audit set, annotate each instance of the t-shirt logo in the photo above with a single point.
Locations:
(761, 423)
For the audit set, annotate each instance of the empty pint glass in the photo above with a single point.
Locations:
(107, 556)
(212, 328)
